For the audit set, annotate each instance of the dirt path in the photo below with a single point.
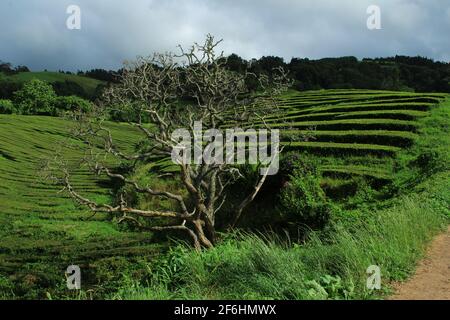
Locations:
(432, 278)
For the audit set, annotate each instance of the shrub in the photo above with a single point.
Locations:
(36, 97)
(302, 200)
(6, 288)
(71, 103)
(6, 106)
(429, 162)
(289, 161)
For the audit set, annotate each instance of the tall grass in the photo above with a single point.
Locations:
(330, 267)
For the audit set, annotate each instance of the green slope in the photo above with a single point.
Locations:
(352, 133)
(88, 84)
(43, 232)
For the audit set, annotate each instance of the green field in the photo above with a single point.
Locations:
(88, 84)
(355, 134)
(42, 230)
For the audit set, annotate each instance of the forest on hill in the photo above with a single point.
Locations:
(399, 73)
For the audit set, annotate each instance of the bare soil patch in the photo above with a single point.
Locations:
(431, 280)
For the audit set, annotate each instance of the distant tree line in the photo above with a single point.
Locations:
(7, 68)
(401, 73)
(102, 75)
(395, 73)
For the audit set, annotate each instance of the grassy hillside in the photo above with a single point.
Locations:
(88, 84)
(356, 133)
(350, 133)
(392, 234)
(42, 231)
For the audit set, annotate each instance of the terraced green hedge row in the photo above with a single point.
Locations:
(34, 218)
(387, 114)
(382, 137)
(350, 123)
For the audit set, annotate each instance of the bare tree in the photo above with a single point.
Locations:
(161, 94)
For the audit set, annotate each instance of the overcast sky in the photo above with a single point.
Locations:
(34, 32)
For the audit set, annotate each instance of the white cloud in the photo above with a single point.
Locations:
(33, 32)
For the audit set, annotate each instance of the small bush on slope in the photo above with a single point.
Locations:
(6, 107)
(71, 103)
(303, 201)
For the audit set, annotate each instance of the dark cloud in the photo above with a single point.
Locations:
(34, 33)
